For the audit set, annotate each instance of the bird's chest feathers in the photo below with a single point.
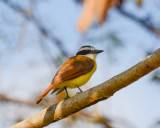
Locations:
(80, 80)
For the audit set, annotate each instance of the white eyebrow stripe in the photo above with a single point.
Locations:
(85, 49)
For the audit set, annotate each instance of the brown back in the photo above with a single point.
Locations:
(72, 68)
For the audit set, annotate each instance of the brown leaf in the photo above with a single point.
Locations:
(94, 10)
(139, 2)
(86, 16)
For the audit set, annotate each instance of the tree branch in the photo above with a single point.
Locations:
(92, 96)
(7, 99)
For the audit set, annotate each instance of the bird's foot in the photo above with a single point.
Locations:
(79, 92)
(67, 98)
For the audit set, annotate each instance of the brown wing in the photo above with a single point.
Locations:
(73, 68)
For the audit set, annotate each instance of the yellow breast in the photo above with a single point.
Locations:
(80, 80)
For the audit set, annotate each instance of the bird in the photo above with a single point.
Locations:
(74, 72)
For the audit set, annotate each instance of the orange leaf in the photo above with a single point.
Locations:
(102, 7)
(139, 2)
(94, 9)
(86, 16)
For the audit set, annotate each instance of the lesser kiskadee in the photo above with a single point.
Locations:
(74, 72)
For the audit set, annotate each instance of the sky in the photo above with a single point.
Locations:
(26, 70)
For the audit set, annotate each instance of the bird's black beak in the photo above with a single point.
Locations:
(97, 51)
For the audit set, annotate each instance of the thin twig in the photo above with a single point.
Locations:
(7, 99)
(43, 30)
(142, 22)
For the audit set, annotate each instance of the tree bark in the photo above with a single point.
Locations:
(98, 93)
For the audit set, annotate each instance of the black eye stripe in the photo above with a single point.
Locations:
(84, 52)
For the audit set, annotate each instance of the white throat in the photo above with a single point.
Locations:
(91, 56)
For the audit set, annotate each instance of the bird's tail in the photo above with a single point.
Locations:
(45, 92)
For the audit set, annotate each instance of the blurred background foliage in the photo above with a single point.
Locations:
(37, 36)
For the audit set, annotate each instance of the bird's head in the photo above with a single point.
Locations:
(88, 51)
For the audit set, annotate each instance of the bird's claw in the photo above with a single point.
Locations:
(78, 92)
(67, 98)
